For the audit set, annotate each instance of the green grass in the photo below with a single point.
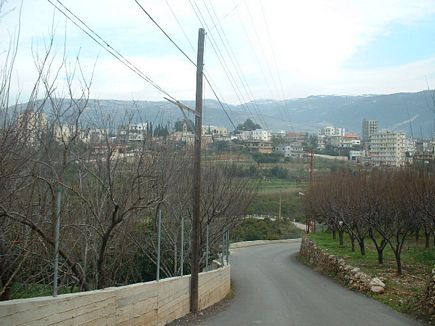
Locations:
(253, 229)
(23, 291)
(403, 293)
(413, 254)
(265, 203)
(280, 185)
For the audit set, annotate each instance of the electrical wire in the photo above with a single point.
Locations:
(106, 46)
(221, 59)
(206, 77)
(227, 46)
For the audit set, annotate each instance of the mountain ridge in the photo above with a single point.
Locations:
(413, 113)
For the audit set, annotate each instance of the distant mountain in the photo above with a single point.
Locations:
(410, 112)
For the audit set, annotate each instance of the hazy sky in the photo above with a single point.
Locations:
(271, 49)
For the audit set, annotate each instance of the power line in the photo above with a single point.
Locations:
(234, 60)
(117, 55)
(106, 46)
(180, 25)
(251, 44)
(221, 59)
(166, 34)
(273, 53)
(208, 80)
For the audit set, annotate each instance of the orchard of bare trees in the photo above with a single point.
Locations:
(104, 195)
(386, 207)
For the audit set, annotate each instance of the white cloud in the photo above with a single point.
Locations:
(311, 40)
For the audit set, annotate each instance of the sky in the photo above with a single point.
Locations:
(255, 49)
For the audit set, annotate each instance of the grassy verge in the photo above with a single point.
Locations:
(253, 229)
(23, 291)
(403, 293)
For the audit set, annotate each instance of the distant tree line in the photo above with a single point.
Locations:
(248, 125)
(382, 206)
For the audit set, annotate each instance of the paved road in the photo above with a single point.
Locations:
(273, 288)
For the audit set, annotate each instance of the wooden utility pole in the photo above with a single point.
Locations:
(196, 226)
(311, 223)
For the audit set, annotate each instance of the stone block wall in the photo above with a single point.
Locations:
(429, 296)
(151, 303)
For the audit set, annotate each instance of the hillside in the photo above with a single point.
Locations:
(410, 112)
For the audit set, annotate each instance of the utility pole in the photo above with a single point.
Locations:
(196, 227)
(311, 223)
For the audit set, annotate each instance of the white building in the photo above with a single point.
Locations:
(94, 135)
(292, 150)
(330, 131)
(133, 132)
(31, 124)
(258, 134)
(326, 134)
(347, 141)
(356, 156)
(388, 148)
(215, 131)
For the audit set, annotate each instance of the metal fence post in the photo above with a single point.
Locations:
(182, 247)
(228, 245)
(223, 248)
(206, 247)
(159, 225)
(56, 239)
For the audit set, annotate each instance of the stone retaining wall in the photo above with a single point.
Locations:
(151, 303)
(429, 296)
(349, 275)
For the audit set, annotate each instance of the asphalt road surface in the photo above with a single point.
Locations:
(273, 288)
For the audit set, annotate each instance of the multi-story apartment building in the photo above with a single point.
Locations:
(289, 150)
(325, 134)
(388, 148)
(369, 127)
(31, 124)
(330, 131)
(132, 132)
(258, 134)
(347, 141)
(215, 131)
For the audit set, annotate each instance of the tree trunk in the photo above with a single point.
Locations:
(5, 295)
(398, 262)
(352, 240)
(362, 247)
(334, 234)
(417, 235)
(380, 256)
(340, 237)
(427, 239)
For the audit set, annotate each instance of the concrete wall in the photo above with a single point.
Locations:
(151, 303)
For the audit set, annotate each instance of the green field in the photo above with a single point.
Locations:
(276, 186)
(254, 229)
